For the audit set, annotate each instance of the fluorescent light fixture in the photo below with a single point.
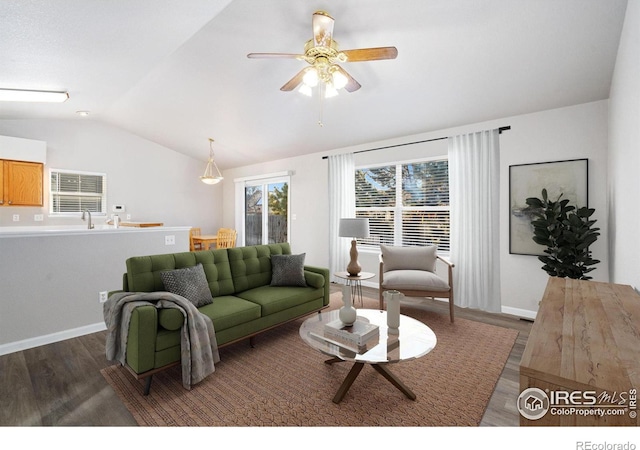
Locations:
(18, 95)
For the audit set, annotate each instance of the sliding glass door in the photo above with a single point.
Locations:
(266, 211)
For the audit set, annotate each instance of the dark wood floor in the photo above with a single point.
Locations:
(60, 384)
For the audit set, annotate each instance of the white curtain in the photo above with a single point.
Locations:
(474, 188)
(342, 204)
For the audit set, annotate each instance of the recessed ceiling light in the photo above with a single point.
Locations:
(82, 113)
(19, 95)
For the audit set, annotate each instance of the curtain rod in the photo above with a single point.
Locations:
(500, 130)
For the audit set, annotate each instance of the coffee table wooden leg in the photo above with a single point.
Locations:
(335, 359)
(385, 372)
(348, 381)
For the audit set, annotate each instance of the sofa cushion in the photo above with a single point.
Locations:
(251, 266)
(143, 272)
(273, 299)
(416, 258)
(225, 312)
(229, 311)
(190, 283)
(287, 270)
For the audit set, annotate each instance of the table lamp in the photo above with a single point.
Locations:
(354, 228)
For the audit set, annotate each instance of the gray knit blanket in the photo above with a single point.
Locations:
(199, 348)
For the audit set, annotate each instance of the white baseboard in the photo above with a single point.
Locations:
(12, 347)
(518, 312)
(524, 313)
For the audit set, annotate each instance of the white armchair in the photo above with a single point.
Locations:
(412, 271)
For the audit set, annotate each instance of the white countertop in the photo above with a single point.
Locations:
(66, 230)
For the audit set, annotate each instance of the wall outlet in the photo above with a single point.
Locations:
(170, 240)
(16, 217)
(38, 217)
(103, 295)
(128, 216)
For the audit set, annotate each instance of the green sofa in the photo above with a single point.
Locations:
(244, 301)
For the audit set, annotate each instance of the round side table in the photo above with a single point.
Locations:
(355, 282)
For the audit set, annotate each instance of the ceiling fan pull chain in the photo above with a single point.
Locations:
(321, 92)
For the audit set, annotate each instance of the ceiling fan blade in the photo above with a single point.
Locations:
(352, 85)
(370, 54)
(295, 81)
(275, 55)
(322, 29)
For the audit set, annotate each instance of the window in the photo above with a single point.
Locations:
(414, 211)
(72, 192)
(265, 210)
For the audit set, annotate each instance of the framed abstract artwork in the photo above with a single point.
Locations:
(569, 178)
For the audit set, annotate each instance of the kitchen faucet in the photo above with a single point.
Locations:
(89, 225)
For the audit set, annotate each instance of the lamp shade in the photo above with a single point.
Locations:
(354, 228)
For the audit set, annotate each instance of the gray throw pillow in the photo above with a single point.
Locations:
(287, 270)
(409, 258)
(190, 282)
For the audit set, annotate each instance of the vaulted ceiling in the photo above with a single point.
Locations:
(176, 72)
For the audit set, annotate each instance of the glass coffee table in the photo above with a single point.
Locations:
(415, 340)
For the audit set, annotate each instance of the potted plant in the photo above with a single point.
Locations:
(567, 232)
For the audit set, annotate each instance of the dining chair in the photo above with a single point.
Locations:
(192, 245)
(412, 271)
(226, 238)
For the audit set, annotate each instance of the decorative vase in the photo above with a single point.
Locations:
(393, 311)
(347, 312)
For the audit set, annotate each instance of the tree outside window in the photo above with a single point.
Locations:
(410, 213)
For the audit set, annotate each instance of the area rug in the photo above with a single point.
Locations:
(284, 382)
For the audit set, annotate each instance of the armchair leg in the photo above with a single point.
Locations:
(451, 309)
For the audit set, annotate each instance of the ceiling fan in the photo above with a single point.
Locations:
(323, 56)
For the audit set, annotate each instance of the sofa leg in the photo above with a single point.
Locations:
(252, 342)
(147, 385)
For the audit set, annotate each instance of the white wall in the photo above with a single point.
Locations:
(308, 201)
(50, 281)
(624, 154)
(53, 299)
(567, 133)
(153, 182)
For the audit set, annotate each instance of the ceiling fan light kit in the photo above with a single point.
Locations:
(323, 55)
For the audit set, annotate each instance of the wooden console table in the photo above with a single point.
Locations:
(585, 338)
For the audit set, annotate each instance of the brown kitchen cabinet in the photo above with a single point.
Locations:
(21, 183)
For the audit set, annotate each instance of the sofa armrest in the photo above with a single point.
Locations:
(313, 279)
(141, 342)
(310, 280)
